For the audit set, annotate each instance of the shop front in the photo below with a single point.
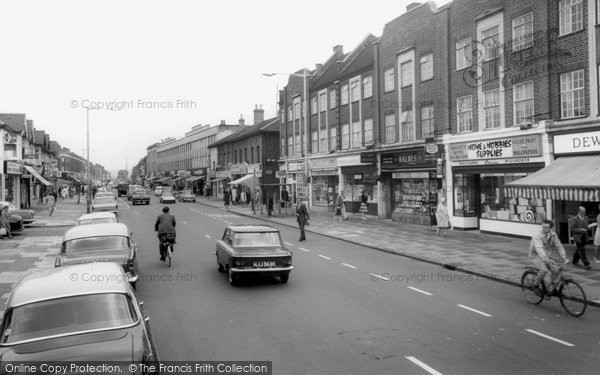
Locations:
(12, 182)
(196, 181)
(325, 182)
(480, 168)
(412, 178)
(570, 181)
(297, 182)
(357, 177)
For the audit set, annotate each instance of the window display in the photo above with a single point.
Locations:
(414, 196)
(324, 190)
(355, 183)
(496, 206)
(464, 195)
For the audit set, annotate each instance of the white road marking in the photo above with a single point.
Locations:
(379, 276)
(126, 205)
(420, 291)
(324, 257)
(207, 236)
(185, 222)
(549, 337)
(349, 265)
(471, 309)
(289, 244)
(303, 249)
(423, 365)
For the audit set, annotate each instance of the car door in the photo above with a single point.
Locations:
(223, 246)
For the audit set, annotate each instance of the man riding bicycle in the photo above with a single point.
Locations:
(165, 226)
(541, 248)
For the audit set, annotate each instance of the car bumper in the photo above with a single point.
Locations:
(263, 271)
(132, 278)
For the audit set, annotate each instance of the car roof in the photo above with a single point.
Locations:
(97, 215)
(79, 279)
(249, 228)
(96, 230)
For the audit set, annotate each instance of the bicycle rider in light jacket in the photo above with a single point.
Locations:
(165, 224)
(541, 249)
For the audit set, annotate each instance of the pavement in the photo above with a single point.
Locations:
(498, 258)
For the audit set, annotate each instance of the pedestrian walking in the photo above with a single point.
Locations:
(303, 218)
(597, 237)
(258, 200)
(363, 205)
(579, 229)
(248, 196)
(243, 198)
(64, 193)
(339, 207)
(441, 216)
(226, 197)
(5, 221)
(234, 195)
(51, 202)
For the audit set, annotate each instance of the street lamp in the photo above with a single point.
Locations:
(304, 76)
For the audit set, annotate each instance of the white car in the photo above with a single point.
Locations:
(97, 218)
(103, 204)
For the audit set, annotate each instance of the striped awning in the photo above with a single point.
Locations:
(569, 178)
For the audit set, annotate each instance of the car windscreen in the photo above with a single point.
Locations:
(97, 221)
(67, 315)
(256, 239)
(104, 200)
(81, 245)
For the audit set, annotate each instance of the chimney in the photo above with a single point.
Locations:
(412, 6)
(318, 68)
(338, 49)
(259, 114)
(222, 122)
(241, 120)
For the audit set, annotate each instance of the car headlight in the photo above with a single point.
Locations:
(238, 262)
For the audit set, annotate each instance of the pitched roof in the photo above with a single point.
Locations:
(361, 55)
(15, 121)
(268, 126)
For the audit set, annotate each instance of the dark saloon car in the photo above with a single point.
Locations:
(253, 250)
(26, 215)
(109, 242)
(83, 313)
(140, 197)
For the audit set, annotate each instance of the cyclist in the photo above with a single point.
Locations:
(541, 248)
(165, 226)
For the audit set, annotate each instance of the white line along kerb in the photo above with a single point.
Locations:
(549, 337)
(472, 309)
(422, 365)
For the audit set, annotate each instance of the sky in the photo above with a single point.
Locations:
(147, 70)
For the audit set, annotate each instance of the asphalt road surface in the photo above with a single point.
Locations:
(346, 309)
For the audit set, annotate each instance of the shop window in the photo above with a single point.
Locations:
(496, 206)
(415, 196)
(464, 195)
(324, 190)
(355, 183)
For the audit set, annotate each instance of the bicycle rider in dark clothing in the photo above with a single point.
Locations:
(165, 226)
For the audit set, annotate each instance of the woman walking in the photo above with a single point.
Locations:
(302, 218)
(441, 216)
(597, 238)
(363, 205)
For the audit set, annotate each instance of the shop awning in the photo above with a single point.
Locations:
(247, 179)
(569, 178)
(195, 178)
(177, 179)
(164, 179)
(37, 175)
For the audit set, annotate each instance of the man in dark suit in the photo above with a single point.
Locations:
(579, 230)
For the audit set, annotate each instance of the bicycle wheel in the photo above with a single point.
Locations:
(169, 255)
(572, 298)
(528, 288)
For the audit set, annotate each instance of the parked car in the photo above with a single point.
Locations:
(166, 196)
(132, 189)
(140, 196)
(84, 312)
(103, 204)
(158, 190)
(110, 242)
(187, 196)
(253, 250)
(97, 218)
(27, 215)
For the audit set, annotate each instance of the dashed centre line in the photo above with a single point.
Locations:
(549, 337)
(423, 365)
(373, 275)
(472, 309)
(289, 244)
(420, 291)
(207, 236)
(324, 257)
(349, 265)
(303, 249)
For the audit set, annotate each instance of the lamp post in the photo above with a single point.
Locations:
(304, 76)
(89, 190)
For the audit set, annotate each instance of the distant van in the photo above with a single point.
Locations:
(122, 189)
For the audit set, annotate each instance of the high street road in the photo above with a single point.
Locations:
(347, 309)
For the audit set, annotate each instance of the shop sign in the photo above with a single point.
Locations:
(292, 167)
(498, 148)
(579, 142)
(349, 160)
(368, 157)
(324, 172)
(254, 168)
(496, 161)
(407, 159)
(323, 163)
(12, 167)
(199, 172)
(211, 173)
(181, 173)
(238, 169)
(223, 174)
(280, 174)
(431, 148)
(188, 173)
(401, 175)
(358, 176)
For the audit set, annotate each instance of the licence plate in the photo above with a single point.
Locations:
(264, 264)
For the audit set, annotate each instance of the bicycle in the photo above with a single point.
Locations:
(166, 247)
(571, 295)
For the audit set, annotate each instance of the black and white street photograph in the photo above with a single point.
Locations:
(311, 188)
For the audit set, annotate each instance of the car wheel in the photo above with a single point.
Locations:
(134, 285)
(220, 266)
(284, 278)
(233, 280)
